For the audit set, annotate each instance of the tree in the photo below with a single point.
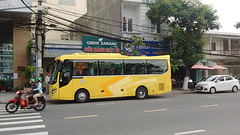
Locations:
(187, 20)
(136, 42)
(237, 25)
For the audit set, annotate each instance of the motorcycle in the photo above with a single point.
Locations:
(13, 104)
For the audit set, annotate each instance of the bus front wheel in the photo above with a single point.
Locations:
(81, 96)
(141, 93)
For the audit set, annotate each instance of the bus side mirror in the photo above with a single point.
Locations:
(49, 66)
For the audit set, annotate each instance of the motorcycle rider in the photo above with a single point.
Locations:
(29, 90)
(39, 90)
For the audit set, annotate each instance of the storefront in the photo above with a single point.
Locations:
(14, 37)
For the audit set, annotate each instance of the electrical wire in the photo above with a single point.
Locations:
(77, 30)
(6, 9)
(103, 19)
(79, 14)
(28, 6)
(56, 16)
(86, 18)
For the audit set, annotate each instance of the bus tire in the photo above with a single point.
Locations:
(81, 96)
(141, 93)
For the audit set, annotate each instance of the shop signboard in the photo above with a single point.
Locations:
(151, 48)
(100, 45)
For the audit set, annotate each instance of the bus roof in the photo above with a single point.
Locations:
(75, 56)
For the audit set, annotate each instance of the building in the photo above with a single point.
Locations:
(102, 18)
(224, 49)
(17, 27)
(119, 19)
(14, 37)
(135, 21)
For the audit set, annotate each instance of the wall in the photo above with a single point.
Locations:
(227, 58)
(65, 9)
(20, 42)
(137, 10)
(102, 15)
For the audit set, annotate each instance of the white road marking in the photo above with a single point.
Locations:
(189, 132)
(20, 122)
(106, 104)
(20, 118)
(2, 110)
(215, 105)
(22, 114)
(78, 117)
(36, 133)
(22, 128)
(158, 110)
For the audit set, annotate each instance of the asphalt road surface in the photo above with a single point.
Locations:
(167, 114)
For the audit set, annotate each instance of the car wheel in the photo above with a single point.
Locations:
(212, 90)
(235, 89)
(141, 93)
(81, 96)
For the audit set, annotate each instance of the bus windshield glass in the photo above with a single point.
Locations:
(55, 72)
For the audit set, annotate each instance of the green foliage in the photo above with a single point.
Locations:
(30, 44)
(136, 42)
(27, 72)
(188, 20)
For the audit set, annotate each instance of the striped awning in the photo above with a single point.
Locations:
(52, 53)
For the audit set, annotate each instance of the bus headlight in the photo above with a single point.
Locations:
(54, 90)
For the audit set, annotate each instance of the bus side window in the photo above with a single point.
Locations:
(85, 72)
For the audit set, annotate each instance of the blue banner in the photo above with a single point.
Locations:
(151, 48)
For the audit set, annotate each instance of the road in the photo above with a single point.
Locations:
(167, 114)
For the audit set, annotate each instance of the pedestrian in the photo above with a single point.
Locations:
(47, 81)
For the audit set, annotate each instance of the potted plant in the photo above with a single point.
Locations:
(3, 84)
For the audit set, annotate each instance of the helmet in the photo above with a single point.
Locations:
(33, 80)
(39, 78)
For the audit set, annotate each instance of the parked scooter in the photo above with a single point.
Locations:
(13, 104)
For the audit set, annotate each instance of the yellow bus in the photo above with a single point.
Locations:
(84, 76)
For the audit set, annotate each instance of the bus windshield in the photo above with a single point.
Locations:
(55, 72)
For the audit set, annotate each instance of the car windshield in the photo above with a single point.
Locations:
(210, 79)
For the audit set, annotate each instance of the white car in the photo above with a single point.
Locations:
(216, 83)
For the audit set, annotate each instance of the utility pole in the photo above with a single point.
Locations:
(39, 39)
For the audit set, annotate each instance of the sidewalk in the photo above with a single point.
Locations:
(5, 96)
(178, 90)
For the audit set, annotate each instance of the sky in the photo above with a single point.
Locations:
(228, 12)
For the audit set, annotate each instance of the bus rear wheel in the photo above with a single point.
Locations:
(81, 96)
(141, 93)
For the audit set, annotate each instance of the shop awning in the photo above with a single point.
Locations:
(200, 66)
(218, 67)
(52, 53)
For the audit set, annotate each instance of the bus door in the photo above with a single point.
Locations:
(65, 86)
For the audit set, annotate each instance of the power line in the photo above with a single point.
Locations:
(6, 9)
(67, 11)
(90, 33)
(83, 17)
(28, 7)
(85, 26)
